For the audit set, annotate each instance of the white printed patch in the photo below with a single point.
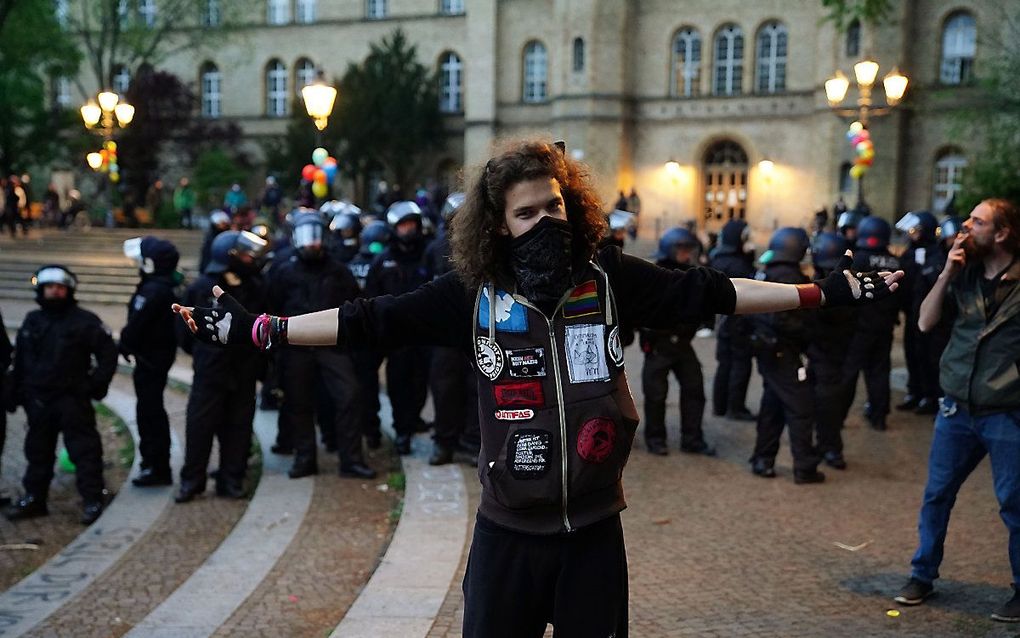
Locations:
(514, 415)
(586, 353)
(139, 302)
(615, 347)
(489, 357)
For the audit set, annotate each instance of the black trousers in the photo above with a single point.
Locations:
(366, 365)
(825, 372)
(300, 390)
(870, 353)
(785, 400)
(407, 372)
(225, 413)
(455, 396)
(680, 359)
(150, 413)
(75, 419)
(733, 374)
(914, 356)
(517, 583)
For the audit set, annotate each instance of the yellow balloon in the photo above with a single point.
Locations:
(115, 177)
(111, 145)
(319, 189)
(856, 171)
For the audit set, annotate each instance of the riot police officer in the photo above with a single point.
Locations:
(372, 241)
(933, 342)
(846, 224)
(222, 399)
(219, 221)
(149, 336)
(830, 336)
(919, 227)
(346, 228)
(6, 350)
(872, 341)
(671, 351)
(399, 269)
(54, 379)
(311, 280)
(733, 332)
(780, 341)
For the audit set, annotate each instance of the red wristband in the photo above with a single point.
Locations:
(810, 295)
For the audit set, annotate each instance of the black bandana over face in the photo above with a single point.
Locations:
(541, 260)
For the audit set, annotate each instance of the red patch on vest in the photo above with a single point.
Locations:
(596, 440)
(522, 394)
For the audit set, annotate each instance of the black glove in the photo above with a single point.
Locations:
(847, 287)
(226, 323)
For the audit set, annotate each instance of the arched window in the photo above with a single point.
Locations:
(853, 38)
(577, 55)
(451, 7)
(959, 43)
(685, 80)
(948, 181)
(536, 72)
(451, 87)
(729, 61)
(304, 74)
(305, 11)
(211, 16)
(62, 92)
(772, 58)
(212, 91)
(375, 9)
(725, 195)
(121, 79)
(278, 11)
(147, 12)
(276, 89)
(846, 182)
(61, 10)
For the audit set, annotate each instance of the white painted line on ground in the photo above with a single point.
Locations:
(59, 580)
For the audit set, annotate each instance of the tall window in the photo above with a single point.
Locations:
(305, 11)
(725, 195)
(846, 182)
(375, 9)
(121, 79)
(212, 91)
(451, 7)
(772, 58)
(276, 89)
(577, 55)
(729, 61)
(685, 80)
(123, 13)
(147, 12)
(959, 43)
(853, 38)
(211, 15)
(61, 10)
(948, 177)
(536, 72)
(451, 77)
(278, 11)
(62, 92)
(304, 73)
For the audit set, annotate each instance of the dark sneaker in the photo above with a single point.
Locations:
(658, 448)
(701, 447)
(1010, 612)
(188, 492)
(914, 592)
(303, 469)
(91, 512)
(357, 470)
(742, 415)
(151, 478)
(927, 406)
(402, 444)
(807, 477)
(441, 455)
(909, 403)
(835, 460)
(877, 423)
(764, 468)
(27, 506)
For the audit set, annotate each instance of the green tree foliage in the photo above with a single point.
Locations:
(842, 12)
(33, 50)
(214, 172)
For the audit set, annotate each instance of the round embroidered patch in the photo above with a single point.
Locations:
(489, 357)
(615, 347)
(596, 440)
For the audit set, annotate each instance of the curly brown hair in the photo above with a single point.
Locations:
(480, 244)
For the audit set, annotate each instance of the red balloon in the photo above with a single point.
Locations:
(308, 172)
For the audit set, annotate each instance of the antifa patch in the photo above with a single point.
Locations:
(615, 347)
(586, 353)
(527, 454)
(520, 394)
(489, 357)
(526, 362)
(596, 440)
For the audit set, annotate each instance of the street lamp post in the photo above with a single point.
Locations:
(319, 98)
(865, 72)
(104, 115)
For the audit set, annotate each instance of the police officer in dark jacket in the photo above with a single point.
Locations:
(400, 269)
(846, 224)
(933, 342)
(54, 379)
(919, 228)
(871, 344)
(222, 399)
(670, 351)
(219, 221)
(309, 281)
(733, 332)
(345, 225)
(780, 341)
(830, 335)
(150, 338)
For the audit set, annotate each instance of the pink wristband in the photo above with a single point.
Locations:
(256, 330)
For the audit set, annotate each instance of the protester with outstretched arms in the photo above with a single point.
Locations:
(539, 312)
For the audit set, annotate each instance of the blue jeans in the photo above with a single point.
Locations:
(960, 442)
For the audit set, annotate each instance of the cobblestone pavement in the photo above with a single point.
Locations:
(717, 551)
(51, 533)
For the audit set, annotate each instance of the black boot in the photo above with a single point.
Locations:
(656, 447)
(188, 492)
(403, 444)
(909, 402)
(27, 506)
(764, 468)
(356, 469)
(441, 455)
(229, 489)
(927, 405)
(90, 512)
(805, 477)
(150, 477)
(699, 447)
(835, 460)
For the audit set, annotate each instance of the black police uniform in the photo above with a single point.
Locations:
(222, 399)
(300, 286)
(733, 342)
(367, 362)
(933, 343)
(6, 350)
(150, 338)
(54, 380)
(780, 341)
(830, 336)
(912, 262)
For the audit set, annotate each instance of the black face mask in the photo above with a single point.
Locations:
(541, 260)
(54, 305)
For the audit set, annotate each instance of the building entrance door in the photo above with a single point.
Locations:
(725, 185)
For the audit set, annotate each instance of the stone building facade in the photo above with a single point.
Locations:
(680, 100)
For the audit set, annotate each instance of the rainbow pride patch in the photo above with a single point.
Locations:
(583, 301)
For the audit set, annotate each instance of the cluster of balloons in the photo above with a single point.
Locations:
(109, 165)
(860, 139)
(321, 172)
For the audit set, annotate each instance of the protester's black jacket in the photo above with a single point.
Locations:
(651, 339)
(150, 334)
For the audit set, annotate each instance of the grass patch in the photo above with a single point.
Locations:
(125, 454)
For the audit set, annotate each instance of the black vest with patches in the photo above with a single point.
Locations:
(551, 397)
